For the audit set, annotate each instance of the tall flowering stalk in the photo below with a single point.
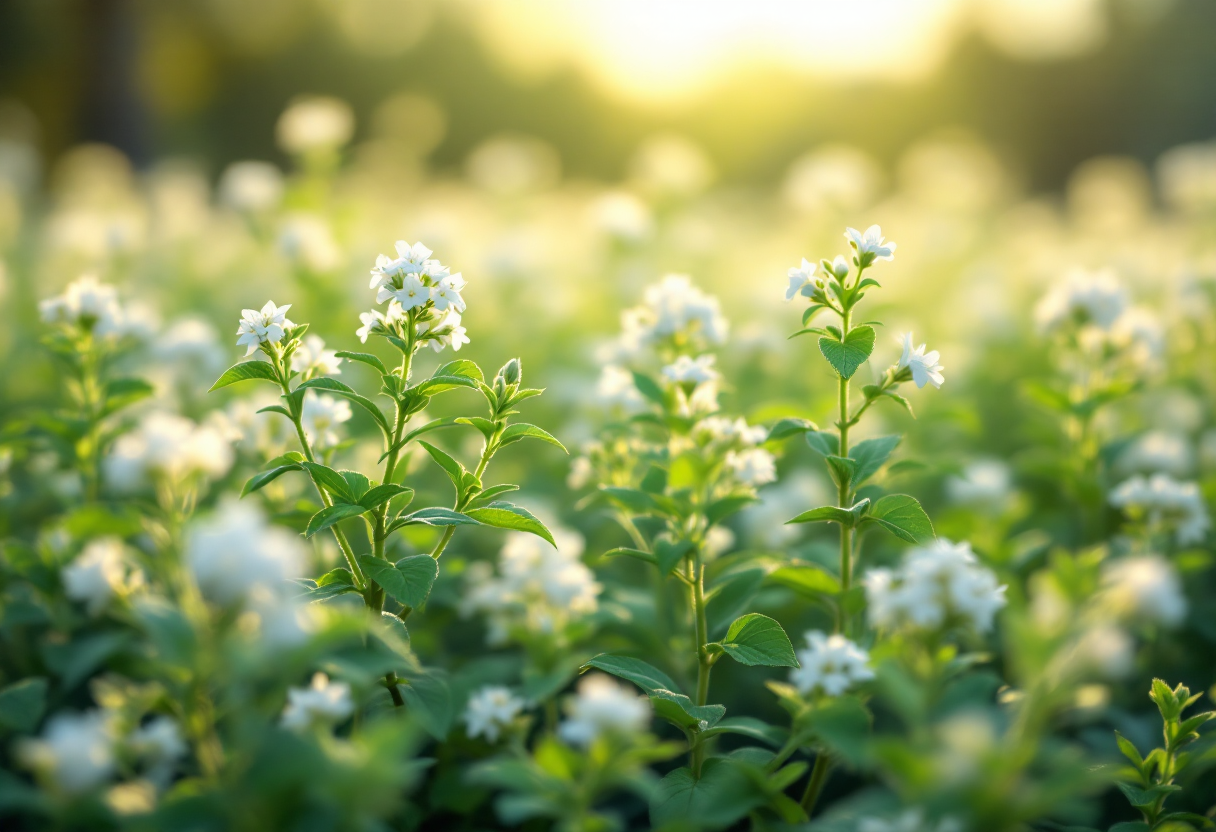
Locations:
(423, 309)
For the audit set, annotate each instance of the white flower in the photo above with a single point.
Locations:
(1140, 334)
(86, 303)
(1158, 452)
(723, 429)
(167, 446)
(262, 327)
(985, 482)
(1146, 588)
(490, 710)
(1104, 649)
(694, 370)
(444, 331)
(603, 706)
(320, 417)
(831, 664)
(1094, 298)
(936, 585)
(159, 741)
(75, 751)
(321, 703)
(870, 244)
(316, 123)
(252, 187)
(623, 216)
(1165, 501)
(616, 386)
(581, 471)
(192, 341)
(446, 293)
(308, 241)
(282, 621)
(235, 550)
(96, 575)
(311, 359)
(799, 277)
(412, 293)
(672, 308)
(924, 366)
(911, 820)
(753, 467)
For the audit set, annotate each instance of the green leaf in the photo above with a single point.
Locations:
(680, 711)
(22, 704)
(332, 385)
(632, 499)
(408, 581)
(493, 491)
(484, 425)
(810, 311)
(429, 696)
(826, 514)
(823, 443)
(257, 481)
(460, 367)
(357, 482)
(649, 388)
(245, 371)
(810, 330)
(436, 516)
(902, 516)
(667, 555)
(719, 510)
(330, 480)
(806, 579)
(730, 596)
(1143, 798)
(645, 676)
(120, 392)
(870, 455)
(383, 493)
(750, 727)
(842, 470)
(333, 583)
(330, 515)
(514, 433)
(455, 471)
(655, 480)
(365, 358)
(786, 428)
(637, 554)
(441, 384)
(848, 354)
(756, 639)
(843, 726)
(509, 516)
(720, 798)
(1129, 750)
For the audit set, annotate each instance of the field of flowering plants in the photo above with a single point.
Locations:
(350, 495)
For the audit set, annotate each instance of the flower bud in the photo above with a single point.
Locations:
(512, 371)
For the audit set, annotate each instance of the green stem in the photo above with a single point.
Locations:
(704, 660)
(843, 495)
(819, 776)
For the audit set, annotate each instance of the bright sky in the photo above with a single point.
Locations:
(665, 50)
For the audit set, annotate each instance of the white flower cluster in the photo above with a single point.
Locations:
(1163, 501)
(870, 245)
(311, 359)
(315, 124)
(490, 711)
(603, 706)
(753, 467)
(1158, 452)
(830, 665)
(78, 752)
(320, 416)
(539, 588)
(674, 311)
(938, 585)
(412, 281)
(984, 483)
(167, 447)
(1097, 303)
(1145, 588)
(911, 820)
(321, 703)
(696, 384)
(264, 326)
(923, 366)
(93, 306)
(98, 573)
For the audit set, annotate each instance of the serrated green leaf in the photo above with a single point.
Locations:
(246, 371)
(751, 728)
(483, 425)
(330, 515)
(871, 454)
(493, 491)
(333, 583)
(441, 384)
(847, 354)
(902, 516)
(756, 639)
(357, 482)
(460, 367)
(637, 554)
(504, 515)
(408, 581)
(436, 516)
(452, 467)
(330, 480)
(721, 797)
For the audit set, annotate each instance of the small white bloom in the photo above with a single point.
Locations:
(321, 416)
(830, 664)
(936, 585)
(167, 446)
(985, 483)
(799, 277)
(616, 386)
(311, 359)
(870, 243)
(603, 706)
(308, 241)
(321, 703)
(97, 574)
(262, 327)
(1162, 500)
(911, 820)
(235, 550)
(412, 293)
(1103, 649)
(252, 187)
(754, 466)
(1146, 588)
(1085, 298)
(672, 308)
(694, 370)
(446, 293)
(75, 751)
(1158, 452)
(581, 471)
(444, 331)
(159, 741)
(413, 257)
(924, 366)
(87, 303)
(490, 710)
(315, 124)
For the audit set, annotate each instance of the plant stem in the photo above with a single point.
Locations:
(704, 661)
(819, 776)
(843, 495)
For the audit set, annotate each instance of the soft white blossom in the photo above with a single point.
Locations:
(311, 359)
(870, 245)
(75, 751)
(158, 742)
(922, 365)
(308, 241)
(444, 331)
(252, 187)
(1146, 588)
(754, 466)
(320, 416)
(800, 277)
(169, 447)
(234, 550)
(192, 341)
(1158, 452)
(616, 386)
(1093, 298)
(910, 820)
(1162, 500)
(87, 303)
(1103, 649)
(830, 664)
(446, 293)
(265, 326)
(411, 294)
(321, 703)
(985, 483)
(686, 369)
(673, 308)
(724, 430)
(96, 575)
(624, 216)
(602, 706)
(1140, 335)
(490, 710)
(315, 124)
(936, 585)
